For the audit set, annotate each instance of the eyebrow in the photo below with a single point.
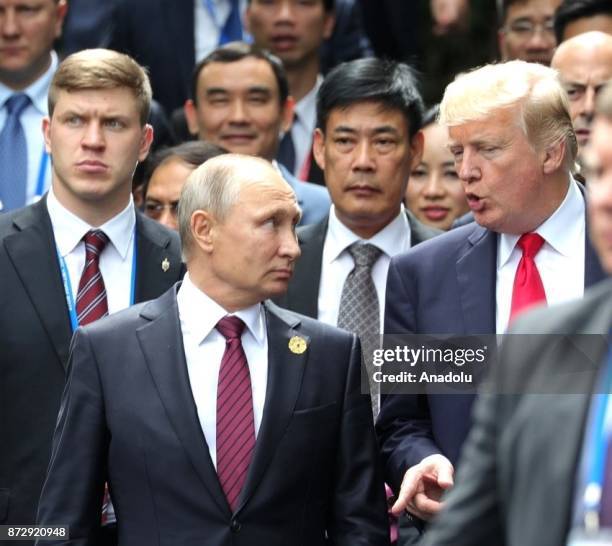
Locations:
(223, 91)
(376, 131)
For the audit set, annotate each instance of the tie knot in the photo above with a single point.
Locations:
(530, 244)
(364, 255)
(17, 103)
(230, 327)
(95, 241)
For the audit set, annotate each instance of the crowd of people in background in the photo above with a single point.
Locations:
(243, 182)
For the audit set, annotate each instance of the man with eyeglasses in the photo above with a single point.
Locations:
(527, 30)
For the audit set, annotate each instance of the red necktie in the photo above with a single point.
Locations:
(235, 423)
(91, 301)
(528, 289)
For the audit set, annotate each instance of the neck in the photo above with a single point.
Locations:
(302, 79)
(19, 80)
(94, 212)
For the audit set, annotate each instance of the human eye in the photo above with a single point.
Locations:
(114, 123)
(73, 120)
(457, 152)
(450, 173)
(420, 171)
(385, 144)
(574, 93)
(343, 142)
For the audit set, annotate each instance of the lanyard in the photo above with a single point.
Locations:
(42, 173)
(598, 440)
(74, 322)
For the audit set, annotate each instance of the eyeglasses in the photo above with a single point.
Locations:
(525, 28)
(155, 209)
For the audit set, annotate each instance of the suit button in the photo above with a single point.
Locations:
(235, 526)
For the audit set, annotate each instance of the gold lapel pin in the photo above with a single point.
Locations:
(165, 265)
(297, 345)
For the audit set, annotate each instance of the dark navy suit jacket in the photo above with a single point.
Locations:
(443, 286)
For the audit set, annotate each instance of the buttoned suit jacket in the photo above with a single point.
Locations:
(444, 286)
(302, 295)
(35, 335)
(515, 485)
(128, 417)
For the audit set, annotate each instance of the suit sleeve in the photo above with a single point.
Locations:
(72, 493)
(404, 424)
(359, 512)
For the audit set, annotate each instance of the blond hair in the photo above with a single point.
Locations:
(102, 69)
(533, 89)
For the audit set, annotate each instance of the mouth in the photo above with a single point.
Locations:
(435, 213)
(363, 190)
(238, 139)
(475, 203)
(282, 273)
(283, 42)
(583, 135)
(92, 166)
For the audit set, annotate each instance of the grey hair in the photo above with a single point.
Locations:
(213, 187)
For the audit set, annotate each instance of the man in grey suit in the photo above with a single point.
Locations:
(527, 475)
(367, 140)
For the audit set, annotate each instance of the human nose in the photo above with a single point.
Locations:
(588, 103)
(9, 23)
(289, 244)
(238, 112)
(94, 136)
(467, 168)
(168, 218)
(541, 38)
(285, 11)
(434, 187)
(363, 156)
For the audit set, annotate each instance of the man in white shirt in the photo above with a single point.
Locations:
(28, 29)
(584, 63)
(241, 102)
(512, 138)
(367, 141)
(294, 32)
(216, 417)
(53, 275)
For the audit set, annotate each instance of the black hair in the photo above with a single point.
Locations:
(193, 153)
(572, 10)
(392, 84)
(236, 51)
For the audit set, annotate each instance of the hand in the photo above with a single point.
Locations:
(423, 486)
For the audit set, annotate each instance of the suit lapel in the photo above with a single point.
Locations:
(32, 251)
(285, 372)
(476, 276)
(162, 346)
(154, 262)
(303, 292)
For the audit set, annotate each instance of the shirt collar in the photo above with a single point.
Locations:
(37, 91)
(200, 313)
(562, 231)
(392, 239)
(306, 108)
(69, 229)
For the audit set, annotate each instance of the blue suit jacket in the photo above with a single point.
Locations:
(443, 286)
(313, 199)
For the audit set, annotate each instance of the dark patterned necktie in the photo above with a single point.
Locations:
(359, 310)
(91, 303)
(14, 155)
(235, 422)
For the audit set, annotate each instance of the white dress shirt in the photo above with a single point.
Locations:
(560, 261)
(303, 127)
(204, 348)
(116, 259)
(31, 121)
(209, 23)
(338, 263)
